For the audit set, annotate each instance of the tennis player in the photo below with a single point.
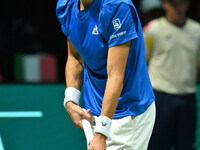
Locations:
(106, 56)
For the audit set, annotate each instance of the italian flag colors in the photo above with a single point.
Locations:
(35, 68)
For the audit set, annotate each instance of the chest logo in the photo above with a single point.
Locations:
(116, 24)
(95, 31)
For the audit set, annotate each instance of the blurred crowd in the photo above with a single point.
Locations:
(31, 27)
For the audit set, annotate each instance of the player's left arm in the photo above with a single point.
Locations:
(116, 64)
(118, 28)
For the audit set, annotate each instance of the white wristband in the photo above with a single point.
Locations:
(103, 125)
(72, 94)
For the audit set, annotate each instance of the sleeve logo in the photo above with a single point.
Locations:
(116, 24)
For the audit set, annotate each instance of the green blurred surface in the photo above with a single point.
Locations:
(198, 119)
(55, 130)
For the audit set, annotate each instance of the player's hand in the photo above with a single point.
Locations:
(98, 142)
(76, 113)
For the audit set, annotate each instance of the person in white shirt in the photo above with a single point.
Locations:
(172, 53)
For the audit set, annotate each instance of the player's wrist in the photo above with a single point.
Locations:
(72, 95)
(103, 126)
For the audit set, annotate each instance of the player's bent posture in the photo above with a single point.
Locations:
(172, 52)
(106, 57)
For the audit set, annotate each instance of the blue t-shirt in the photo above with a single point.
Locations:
(92, 31)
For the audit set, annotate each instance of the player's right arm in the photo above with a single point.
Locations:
(74, 78)
(74, 68)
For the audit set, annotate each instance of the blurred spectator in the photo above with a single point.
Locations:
(150, 9)
(172, 52)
